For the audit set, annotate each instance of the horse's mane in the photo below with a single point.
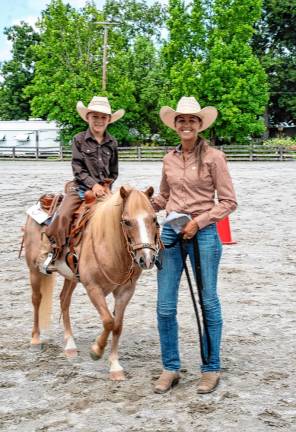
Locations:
(105, 222)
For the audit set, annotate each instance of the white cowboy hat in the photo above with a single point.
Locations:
(99, 104)
(188, 105)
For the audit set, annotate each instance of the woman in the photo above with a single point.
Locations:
(94, 159)
(192, 174)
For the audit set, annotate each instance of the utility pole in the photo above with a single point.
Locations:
(105, 51)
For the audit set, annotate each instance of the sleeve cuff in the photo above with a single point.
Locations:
(203, 220)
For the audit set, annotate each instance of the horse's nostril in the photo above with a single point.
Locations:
(141, 260)
(153, 259)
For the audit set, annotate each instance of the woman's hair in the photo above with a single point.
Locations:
(200, 149)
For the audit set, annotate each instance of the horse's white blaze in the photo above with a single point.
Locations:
(70, 345)
(115, 366)
(143, 229)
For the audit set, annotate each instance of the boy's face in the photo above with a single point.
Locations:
(98, 122)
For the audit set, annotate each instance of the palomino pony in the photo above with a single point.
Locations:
(120, 240)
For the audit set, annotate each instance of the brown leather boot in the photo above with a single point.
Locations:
(45, 256)
(166, 381)
(208, 382)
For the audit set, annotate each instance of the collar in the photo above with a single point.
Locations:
(179, 150)
(107, 137)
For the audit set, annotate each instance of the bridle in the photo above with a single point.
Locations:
(134, 247)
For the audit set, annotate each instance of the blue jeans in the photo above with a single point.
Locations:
(168, 280)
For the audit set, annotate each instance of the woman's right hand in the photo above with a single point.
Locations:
(190, 230)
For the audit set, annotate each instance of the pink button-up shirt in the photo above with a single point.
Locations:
(207, 196)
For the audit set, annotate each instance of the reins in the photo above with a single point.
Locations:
(126, 278)
(197, 267)
(131, 249)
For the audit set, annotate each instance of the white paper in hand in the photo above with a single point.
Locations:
(177, 220)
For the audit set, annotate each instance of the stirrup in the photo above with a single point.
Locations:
(44, 266)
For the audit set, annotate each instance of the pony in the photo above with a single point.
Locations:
(121, 239)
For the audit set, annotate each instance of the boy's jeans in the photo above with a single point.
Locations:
(168, 279)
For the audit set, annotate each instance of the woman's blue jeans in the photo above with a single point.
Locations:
(168, 279)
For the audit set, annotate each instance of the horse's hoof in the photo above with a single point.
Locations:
(94, 355)
(39, 347)
(117, 376)
(71, 353)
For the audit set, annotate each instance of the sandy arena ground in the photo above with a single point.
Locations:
(47, 392)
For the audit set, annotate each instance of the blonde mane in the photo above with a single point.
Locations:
(105, 223)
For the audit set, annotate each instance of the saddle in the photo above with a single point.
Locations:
(81, 216)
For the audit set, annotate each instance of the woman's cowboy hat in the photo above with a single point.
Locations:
(99, 104)
(188, 105)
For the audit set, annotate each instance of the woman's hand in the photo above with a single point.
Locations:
(190, 230)
(98, 190)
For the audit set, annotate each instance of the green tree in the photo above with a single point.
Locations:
(275, 44)
(69, 66)
(182, 55)
(133, 47)
(18, 72)
(233, 79)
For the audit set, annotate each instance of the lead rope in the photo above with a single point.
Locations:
(129, 274)
(205, 359)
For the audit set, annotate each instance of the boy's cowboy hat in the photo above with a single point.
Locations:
(99, 104)
(188, 105)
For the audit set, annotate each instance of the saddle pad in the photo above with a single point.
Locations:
(36, 213)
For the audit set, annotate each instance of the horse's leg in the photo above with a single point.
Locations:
(65, 301)
(42, 288)
(122, 298)
(36, 300)
(98, 299)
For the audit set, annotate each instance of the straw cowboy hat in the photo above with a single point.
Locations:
(188, 105)
(99, 104)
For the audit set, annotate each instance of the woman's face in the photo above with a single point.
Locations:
(187, 126)
(98, 122)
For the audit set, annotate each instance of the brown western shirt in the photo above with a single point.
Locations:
(93, 162)
(208, 196)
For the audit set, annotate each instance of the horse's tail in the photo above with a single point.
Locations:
(47, 284)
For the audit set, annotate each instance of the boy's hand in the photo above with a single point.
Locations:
(98, 190)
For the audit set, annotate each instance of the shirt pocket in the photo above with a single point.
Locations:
(90, 157)
(106, 156)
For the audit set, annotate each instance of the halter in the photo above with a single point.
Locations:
(134, 247)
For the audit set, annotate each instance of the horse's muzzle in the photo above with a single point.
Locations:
(145, 259)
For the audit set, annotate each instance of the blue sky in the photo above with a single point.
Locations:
(14, 11)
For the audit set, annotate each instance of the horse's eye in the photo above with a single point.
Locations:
(126, 222)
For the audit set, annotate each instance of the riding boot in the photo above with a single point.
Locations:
(45, 256)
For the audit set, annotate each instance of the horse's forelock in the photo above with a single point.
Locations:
(137, 202)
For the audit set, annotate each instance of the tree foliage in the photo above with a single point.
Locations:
(69, 66)
(208, 55)
(206, 52)
(275, 44)
(18, 72)
(233, 79)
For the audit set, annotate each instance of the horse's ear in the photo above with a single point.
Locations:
(124, 192)
(149, 192)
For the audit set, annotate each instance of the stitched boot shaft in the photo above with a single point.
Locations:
(208, 382)
(166, 381)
